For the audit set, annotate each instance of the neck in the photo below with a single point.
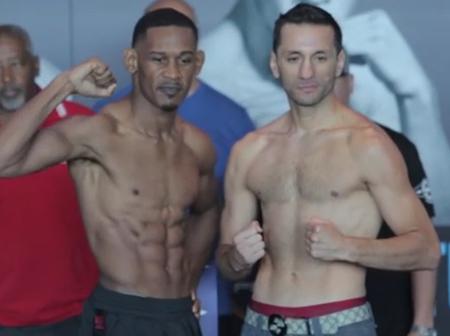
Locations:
(151, 120)
(311, 118)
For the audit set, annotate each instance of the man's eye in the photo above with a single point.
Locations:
(15, 63)
(186, 60)
(292, 59)
(156, 59)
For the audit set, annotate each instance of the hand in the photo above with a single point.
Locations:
(249, 247)
(375, 36)
(323, 240)
(196, 304)
(92, 78)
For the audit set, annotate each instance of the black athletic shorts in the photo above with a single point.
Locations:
(109, 313)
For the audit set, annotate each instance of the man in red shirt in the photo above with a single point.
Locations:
(46, 266)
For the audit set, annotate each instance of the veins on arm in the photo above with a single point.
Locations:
(416, 245)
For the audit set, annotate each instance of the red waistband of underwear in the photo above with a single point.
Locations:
(307, 311)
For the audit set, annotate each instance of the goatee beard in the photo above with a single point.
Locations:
(169, 107)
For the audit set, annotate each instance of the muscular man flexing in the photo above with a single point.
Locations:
(144, 178)
(324, 176)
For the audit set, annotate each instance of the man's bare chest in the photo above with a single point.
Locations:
(315, 173)
(155, 173)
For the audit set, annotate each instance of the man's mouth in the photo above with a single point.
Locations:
(170, 90)
(9, 92)
(307, 87)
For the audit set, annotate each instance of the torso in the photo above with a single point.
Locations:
(135, 197)
(297, 177)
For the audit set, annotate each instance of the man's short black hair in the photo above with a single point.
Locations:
(309, 14)
(162, 18)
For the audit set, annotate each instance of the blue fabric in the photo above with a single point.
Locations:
(221, 118)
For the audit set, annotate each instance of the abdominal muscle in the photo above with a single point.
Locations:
(142, 257)
(307, 282)
(288, 275)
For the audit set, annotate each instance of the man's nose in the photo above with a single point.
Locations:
(172, 70)
(6, 74)
(306, 70)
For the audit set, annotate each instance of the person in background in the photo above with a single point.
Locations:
(402, 302)
(47, 268)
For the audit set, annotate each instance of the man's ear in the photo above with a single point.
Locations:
(199, 61)
(340, 63)
(274, 65)
(130, 60)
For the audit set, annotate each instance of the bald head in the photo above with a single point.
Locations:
(179, 5)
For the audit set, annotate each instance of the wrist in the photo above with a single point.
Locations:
(236, 263)
(421, 330)
(424, 319)
(348, 250)
(64, 84)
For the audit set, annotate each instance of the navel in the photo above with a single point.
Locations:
(135, 192)
(334, 193)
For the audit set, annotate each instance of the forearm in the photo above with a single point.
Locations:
(423, 294)
(17, 133)
(228, 266)
(59, 89)
(410, 251)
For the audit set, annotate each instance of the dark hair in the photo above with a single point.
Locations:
(18, 33)
(309, 14)
(162, 18)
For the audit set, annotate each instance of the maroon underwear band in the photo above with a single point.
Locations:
(307, 311)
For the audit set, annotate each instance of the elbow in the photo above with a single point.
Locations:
(3, 168)
(434, 256)
(430, 255)
(5, 172)
(10, 167)
(8, 171)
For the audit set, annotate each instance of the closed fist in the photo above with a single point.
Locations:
(92, 78)
(323, 240)
(249, 247)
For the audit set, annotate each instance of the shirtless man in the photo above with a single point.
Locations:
(324, 176)
(144, 179)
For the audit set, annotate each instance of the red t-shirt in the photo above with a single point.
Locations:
(46, 267)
